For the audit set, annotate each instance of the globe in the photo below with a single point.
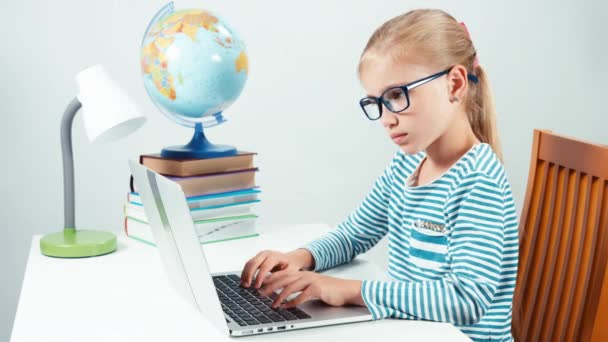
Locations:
(194, 66)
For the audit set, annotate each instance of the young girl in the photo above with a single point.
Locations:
(444, 200)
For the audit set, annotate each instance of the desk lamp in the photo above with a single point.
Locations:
(108, 114)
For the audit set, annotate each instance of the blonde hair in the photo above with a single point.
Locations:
(431, 36)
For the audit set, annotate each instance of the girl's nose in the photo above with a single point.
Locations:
(388, 118)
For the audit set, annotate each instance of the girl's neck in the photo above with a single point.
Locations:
(452, 145)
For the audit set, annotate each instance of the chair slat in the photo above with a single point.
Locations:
(561, 292)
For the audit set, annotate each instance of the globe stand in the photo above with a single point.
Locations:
(198, 148)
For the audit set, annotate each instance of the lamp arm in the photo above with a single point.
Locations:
(68, 163)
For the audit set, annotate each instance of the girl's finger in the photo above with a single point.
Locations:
(276, 276)
(250, 267)
(295, 286)
(287, 279)
(265, 268)
(306, 295)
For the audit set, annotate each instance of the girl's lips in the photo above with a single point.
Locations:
(398, 139)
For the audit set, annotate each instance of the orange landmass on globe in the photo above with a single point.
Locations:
(241, 62)
(169, 92)
(173, 29)
(190, 31)
(189, 22)
(164, 42)
(149, 54)
(202, 19)
(154, 62)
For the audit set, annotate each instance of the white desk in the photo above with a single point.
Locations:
(124, 296)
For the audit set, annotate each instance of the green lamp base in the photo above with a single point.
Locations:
(72, 243)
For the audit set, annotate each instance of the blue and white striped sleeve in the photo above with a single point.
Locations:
(361, 230)
(476, 214)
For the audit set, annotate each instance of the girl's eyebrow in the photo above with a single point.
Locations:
(392, 85)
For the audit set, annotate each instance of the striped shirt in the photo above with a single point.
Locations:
(452, 244)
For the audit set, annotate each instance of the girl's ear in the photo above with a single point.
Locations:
(457, 82)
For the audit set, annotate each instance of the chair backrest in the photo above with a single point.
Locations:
(561, 292)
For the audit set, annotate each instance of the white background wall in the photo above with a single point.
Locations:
(318, 156)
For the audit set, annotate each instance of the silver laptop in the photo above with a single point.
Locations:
(234, 310)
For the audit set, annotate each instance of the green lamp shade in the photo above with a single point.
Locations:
(72, 243)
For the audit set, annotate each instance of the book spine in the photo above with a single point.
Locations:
(226, 232)
(197, 167)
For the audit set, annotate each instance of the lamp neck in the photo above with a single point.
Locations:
(68, 163)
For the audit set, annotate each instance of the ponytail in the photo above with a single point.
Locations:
(482, 112)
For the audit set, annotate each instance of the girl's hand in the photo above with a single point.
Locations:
(333, 291)
(272, 261)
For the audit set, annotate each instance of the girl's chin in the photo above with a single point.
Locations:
(409, 149)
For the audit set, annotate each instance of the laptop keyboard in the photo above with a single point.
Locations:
(249, 307)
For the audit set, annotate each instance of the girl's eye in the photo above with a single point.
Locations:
(394, 94)
(367, 101)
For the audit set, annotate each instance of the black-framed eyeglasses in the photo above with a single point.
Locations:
(397, 99)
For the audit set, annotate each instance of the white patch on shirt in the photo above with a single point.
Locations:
(431, 247)
(427, 263)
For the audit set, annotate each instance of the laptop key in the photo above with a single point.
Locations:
(302, 315)
(276, 318)
(264, 320)
(298, 313)
(288, 316)
(235, 278)
(258, 316)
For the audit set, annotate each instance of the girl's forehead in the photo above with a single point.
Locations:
(380, 73)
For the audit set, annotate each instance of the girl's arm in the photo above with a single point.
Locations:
(363, 228)
(484, 230)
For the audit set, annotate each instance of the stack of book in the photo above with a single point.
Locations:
(221, 193)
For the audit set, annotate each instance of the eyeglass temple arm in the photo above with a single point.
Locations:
(411, 86)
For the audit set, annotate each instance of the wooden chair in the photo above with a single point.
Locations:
(561, 292)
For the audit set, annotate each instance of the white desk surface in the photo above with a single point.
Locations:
(125, 296)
